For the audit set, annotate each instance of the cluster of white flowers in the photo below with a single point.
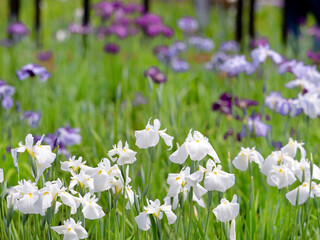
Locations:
(85, 181)
(282, 170)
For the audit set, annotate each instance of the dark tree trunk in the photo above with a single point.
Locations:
(37, 21)
(285, 23)
(14, 10)
(239, 21)
(86, 12)
(146, 5)
(252, 19)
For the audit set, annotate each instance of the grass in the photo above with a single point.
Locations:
(95, 91)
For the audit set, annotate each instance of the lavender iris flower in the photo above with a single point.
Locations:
(281, 105)
(286, 66)
(179, 65)
(31, 70)
(260, 128)
(216, 61)
(314, 56)
(18, 29)
(69, 136)
(188, 24)
(229, 47)
(236, 65)
(202, 44)
(44, 56)
(32, 118)
(79, 29)
(6, 92)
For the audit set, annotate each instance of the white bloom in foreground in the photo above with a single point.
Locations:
(119, 186)
(91, 210)
(122, 155)
(303, 168)
(104, 175)
(241, 161)
(42, 154)
(310, 103)
(303, 194)
(196, 146)
(157, 211)
(274, 159)
(83, 180)
(149, 137)
(23, 197)
(226, 211)
(177, 182)
(292, 147)
(215, 179)
(73, 164)
(1, 175)
(280, 176)
(193, 180)
(71, 230)
(50, 193)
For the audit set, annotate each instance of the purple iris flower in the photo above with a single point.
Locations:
(188, 24)
(18, 29)
(202, 44)
(69, 136)
(31, 70)
(53, 141)
(263, 41)
(277, 145)
(224, 104)
(119, 30)
(229, 133)
(179, 65)
(103, 9)
(281, 105)
(286, 66)
(32, 118)
(79, 29)
(156, 75)
(44, 56)
(216, 61)
(111, 48)
(6, 92)
(229, 46)
(139, 99)
(260, 128)
(236, 65)
(314, 56)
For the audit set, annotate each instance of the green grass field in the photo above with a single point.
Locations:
(94, 91)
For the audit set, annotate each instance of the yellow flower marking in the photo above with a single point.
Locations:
(30, 194)
(69, 229)
(148, 129)
(100, 172)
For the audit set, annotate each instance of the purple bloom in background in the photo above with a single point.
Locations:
(236, 65)
(18, 29)
(151, 72)
(277, 145)
(139, 99)
(229, 46)
(32, 118)
(69, 136)
(188, 24)
(179, 65)
(224, 104)
(286, 66)
(111, 48)
(216, 61)
(245, 103)
(263, 41)
(164, 54)
(44, 56)
(314, 56)
(202, 44)
(229, 133)
(156, 75)
(260, 128)
(6, 92)
(79, 29)
(103, 9)
(31, 70)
